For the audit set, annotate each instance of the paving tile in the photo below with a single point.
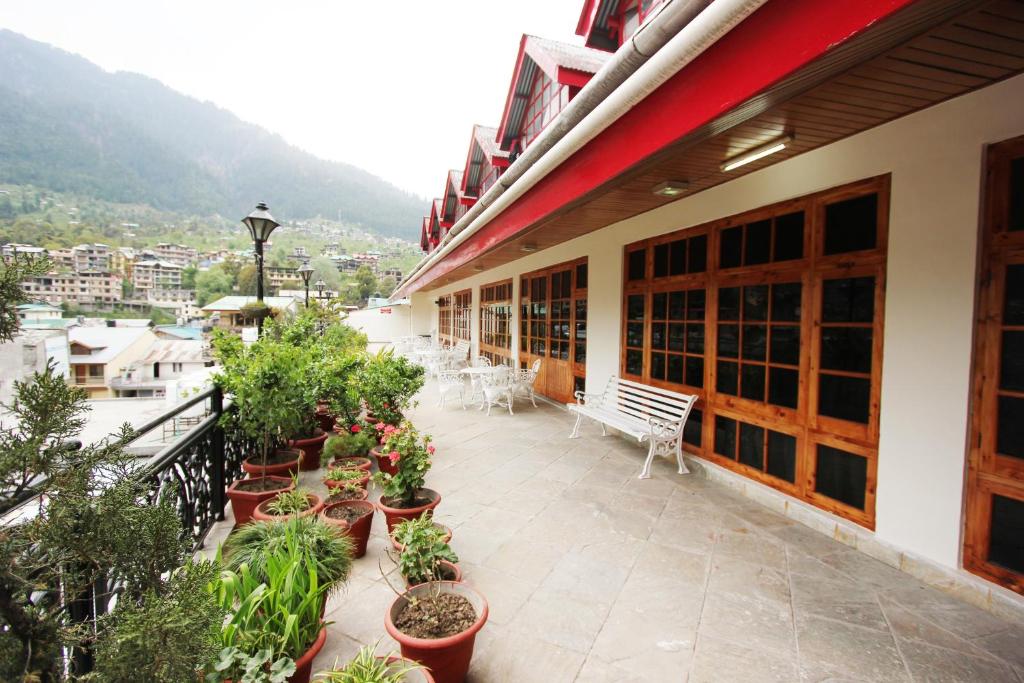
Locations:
(748, 580)
(940, 665)
(743, 544)
(867, 570)
(807, 540)
(1007, 645)
(761, 624)
(861, 653)
(596, 670)
(561, 620)
(505, 594)
(907, 625)
(581, 577)
(719, 660)
(655, 649)
(948, 612)
(852, 603)
(527, 558)
(501, 657)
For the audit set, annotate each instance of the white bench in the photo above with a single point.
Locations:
(643, 412)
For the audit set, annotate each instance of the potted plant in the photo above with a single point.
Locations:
(234, 664)
(354, 518)
(338, 477)
(436, 624)
(404, 496)
(246, 494)
(424, 553)
(368, 667)
(387, 384)
(347, 492)
(349, 448)
(288, 504)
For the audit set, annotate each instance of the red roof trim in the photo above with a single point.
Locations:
(586, 20)
(734, 69)
(512, 87)
(572, 77)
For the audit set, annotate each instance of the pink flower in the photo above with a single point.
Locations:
(431, 449)
(379, 426)
(394, 456)
(356, 429)
(389, 430)
(386, 405)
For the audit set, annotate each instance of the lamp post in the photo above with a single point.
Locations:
(306, 272)
(260, 224)
(320, 286)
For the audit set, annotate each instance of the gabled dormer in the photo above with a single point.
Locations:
(547, 75)
(484, 164)
(452, 208)
(607, 24)
(425, 235)
(434, 230)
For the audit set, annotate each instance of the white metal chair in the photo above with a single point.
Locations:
(449, 382)
(523, 381)
(482, 362)
(496, 388)
(458, 356)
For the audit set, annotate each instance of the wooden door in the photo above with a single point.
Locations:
(553, 327)
(994, 533)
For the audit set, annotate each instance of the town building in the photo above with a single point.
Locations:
(100, 354)
(62, 260)
(279, 277)
(165, 361)
(11, 249)
(29, 352)
(227, 313)
(36, 312)
(90, 257)
(176, 253)
(89, 289)
(122, 260)
(810, 216)
(392, 272)
(155, 274)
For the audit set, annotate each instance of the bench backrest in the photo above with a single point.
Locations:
(642, 401)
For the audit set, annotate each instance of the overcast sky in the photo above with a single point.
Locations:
(392, 87)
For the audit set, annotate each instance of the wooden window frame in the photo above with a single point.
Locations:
(495, 344)
(462, 316)
(445, 330)
(811, 270)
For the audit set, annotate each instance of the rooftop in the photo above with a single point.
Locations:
(175, 351)
(107, 342)
(235, 303)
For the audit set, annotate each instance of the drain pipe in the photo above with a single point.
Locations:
(680, 32)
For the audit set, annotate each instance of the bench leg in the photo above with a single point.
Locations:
(576, 429)
(604, 432)
(679, 458)
(645, 473)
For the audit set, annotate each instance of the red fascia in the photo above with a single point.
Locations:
(572, 77)
(467, 201)
(586, 20)
(499, 162)
(792, 32)
(469, 158)
(512, 89)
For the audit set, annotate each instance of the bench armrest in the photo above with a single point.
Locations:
(665, 429)
(583, 398)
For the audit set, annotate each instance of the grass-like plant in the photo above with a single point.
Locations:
(367, 667)
(424, 548)
(253, 543)
(289, 503)
(342, 474)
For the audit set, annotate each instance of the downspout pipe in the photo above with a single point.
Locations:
(678, 34)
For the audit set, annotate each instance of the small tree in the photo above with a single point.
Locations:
(12, 295)
(388, 383)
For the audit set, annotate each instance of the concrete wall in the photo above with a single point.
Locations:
(935, 158)
(383, 324)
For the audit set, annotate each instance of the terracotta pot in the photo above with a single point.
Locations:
(447, 537)
(353, 461)
(324, 418)
(311, 449)
(260, 514)
(253, 468)
(363, 495)
(451, 567)
(244, 502)
(447, 658)
(304, 664)
(414, 676)
(362, 481)
(394, 515)
(359, 530)
(383, 461)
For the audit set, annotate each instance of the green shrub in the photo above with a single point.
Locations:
(411, 454)
(387, 383)
(424, 548)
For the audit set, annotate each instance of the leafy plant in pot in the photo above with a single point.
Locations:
(288, 504)
(338, 477)
(349, 449)
(404, 496)
(424, 554)
(368, 667)
(435, 624)
(387, 384)
(353, 518)
(346, 492)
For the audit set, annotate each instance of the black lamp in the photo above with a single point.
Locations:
(305, 272)
(260, 224)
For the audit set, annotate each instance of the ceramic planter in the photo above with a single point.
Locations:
(394, 515)
(260, 514)
(304, 664)
(447, 658)
(447, 537)
(288, 465)
(352, 461)
(452, 569)
(359, 530)
(383, 461)
(243, 502)
(311, 449)
(361, 481)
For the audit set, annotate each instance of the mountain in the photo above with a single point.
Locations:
(68, 125)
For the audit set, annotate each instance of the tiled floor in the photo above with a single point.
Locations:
(593, 575)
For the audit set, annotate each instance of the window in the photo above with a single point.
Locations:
(444, 320)
(496, 322)
(773, 319)
(461, 314)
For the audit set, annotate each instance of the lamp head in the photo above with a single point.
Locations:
(260, 223)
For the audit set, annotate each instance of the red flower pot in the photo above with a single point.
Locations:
(324, 418)
(394, 515)
(362, 481)
(383, 461)
(359, 530)
(446, 538)
(352, 461)
(311, 449)
(287, 466)
(447, 658)
(243, 501)
(362, 495)
(304, 664)
(260, 514)
(452, 569)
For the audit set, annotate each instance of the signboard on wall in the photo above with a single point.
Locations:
(386, 310)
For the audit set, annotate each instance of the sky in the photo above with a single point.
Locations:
(391, 87)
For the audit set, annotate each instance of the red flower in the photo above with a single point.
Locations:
(431, 449)
(356, 429)
(389, 430)
(386, 405)
(379, 426)
(394, 456)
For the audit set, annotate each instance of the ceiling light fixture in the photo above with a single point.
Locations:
(670, 188)
(776, 145)
(529, 247)
(478, 268)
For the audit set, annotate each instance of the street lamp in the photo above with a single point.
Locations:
(260, 224)
(305, 272)
(320, 324)
(320, 286)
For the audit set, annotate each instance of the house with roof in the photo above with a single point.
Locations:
(166, 360)
(100, 354)
(41, 311)
(227, 313)
(810, 216)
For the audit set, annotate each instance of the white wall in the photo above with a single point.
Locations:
(382, 325)
(935, 158)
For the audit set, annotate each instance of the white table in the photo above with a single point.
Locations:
(475, 374)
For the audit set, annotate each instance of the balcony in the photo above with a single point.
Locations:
(80, 381)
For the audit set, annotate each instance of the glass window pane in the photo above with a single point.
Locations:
(658, 336)
(634, 334)
(1016, 195)
(1013, 308)
(729, 341)
(781, 456)
(659, 304)
(697, 254)
(754, 342)
(661, 260)
(635, 307)
(676, 336)
(729, 303)
(581, 276)
(695, 338)
(759, 243)
(694, 427)
(727, 378)
(755, 302)
(1010, 428)
(751, 445)
(1006, 541)
(581, 353)
(637, 266)
(786, 302)
(695, 304)
(657, 366)
(634, 362)
(848, 300)
(676, 305)
(785, 345)
(783, 386)
(725, 436)
(841, 476)
(730, 249)
(851, 225)
(752, 382)
(789, 237)
(846, 398)
(695, 371)
(675, 369)
(846, 348)
(677, 257)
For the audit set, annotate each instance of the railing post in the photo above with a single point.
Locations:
(217, 464)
